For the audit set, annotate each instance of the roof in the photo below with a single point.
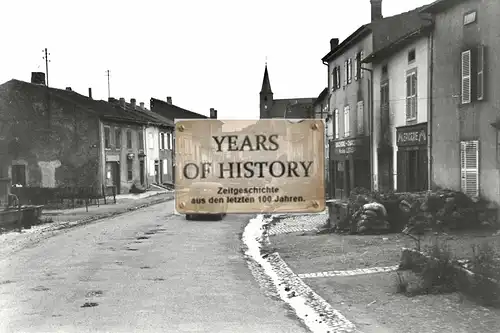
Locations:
(398, 45)
(298, 107)
(153, 117)
(441, 5)
(173, 112)
(266, 83)
(385, 31)
(100, 108)
(321, 96)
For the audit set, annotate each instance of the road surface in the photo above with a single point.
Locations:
(146, 271)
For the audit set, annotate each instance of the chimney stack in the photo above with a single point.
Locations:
(169, 100)
(69, 89)
(334, 42)
(213, 113)
(111, 99)
(132, 103)
(90, 92)
(122, 102)
(376, 8)
(38, 78)
(141, 105)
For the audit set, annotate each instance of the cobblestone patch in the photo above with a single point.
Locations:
(361, 271)
(297, 223)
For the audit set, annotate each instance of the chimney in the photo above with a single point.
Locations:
(334, 42)
(141, 104)
(122, 102)
(213, 113)
(90, 92)
(111, 99)
(38, 78)
(69, 89)
(376, 10)
(132, 103)
(169, 100)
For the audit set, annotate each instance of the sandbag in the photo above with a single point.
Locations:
(375, 206)
(370, 212)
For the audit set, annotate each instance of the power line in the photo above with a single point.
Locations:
(46, 57)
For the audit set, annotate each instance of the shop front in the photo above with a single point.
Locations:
(412, 158)
(349, 166)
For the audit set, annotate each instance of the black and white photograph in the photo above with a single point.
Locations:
(320, 166)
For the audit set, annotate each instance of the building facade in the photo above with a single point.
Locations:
(321, 111)
(465, 106)
(401, 135)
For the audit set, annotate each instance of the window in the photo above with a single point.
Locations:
(162, 140)
(129, 139)
(466, 77)
(130, 170)
(165, 167)
(19, 174)
(107, 137)
(336, 124)
(151, 141)
(411, 96)
(480, 73)
(347, 122)
(469, 158)
(169, 141)
(358, 72)
(349, 70)
(411, 55)
(345, 73)
(141, 139)
(336, 78)
(470, 18)
(118, 138)
(360, 118)
(384, 69)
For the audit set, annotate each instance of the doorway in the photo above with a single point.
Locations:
(141, 170)
(157, 172)
(113, 175)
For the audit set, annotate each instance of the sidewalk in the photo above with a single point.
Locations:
(356, 275)
(12, 241)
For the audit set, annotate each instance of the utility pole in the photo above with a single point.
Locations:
(46, 57)
(109, 90)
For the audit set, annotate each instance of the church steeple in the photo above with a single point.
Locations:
(266, 96)
(266, 84)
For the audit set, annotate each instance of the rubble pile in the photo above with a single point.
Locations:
(371, 218)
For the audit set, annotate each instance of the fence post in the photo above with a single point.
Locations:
(103, 193)
(114, 194)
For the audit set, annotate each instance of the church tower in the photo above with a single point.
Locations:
(266, 96)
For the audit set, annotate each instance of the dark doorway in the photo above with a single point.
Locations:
(161, 171)
(157, 172)
(385, 171)
(141, 170)
(362, 174)
(19, 174)
(113, 175)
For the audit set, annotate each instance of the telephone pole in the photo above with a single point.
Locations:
(109, 90)
(46, 57)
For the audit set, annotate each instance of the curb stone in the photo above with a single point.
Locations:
(294, 286)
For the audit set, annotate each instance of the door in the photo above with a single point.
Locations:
(157, 172)
(160, 163)
(113, 175)
(141, 170)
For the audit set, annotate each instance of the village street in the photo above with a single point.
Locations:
(148, 270)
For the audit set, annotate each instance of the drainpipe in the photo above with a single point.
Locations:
(429, 111)
(370, 126)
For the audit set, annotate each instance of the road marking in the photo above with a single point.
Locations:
(360, 271)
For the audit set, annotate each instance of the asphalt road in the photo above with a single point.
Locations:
(146, 271)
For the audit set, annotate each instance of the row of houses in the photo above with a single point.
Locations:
(59, 138)
(411, 103)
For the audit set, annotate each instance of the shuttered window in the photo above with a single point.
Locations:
(334, 78)
(466, 77)
(338, 77)
(480, 73)
(360, 118)
(349, 70)
(356, 66)
(411, 96)
(469, 160)
(347, 122)
(336, 120)
(345, 73)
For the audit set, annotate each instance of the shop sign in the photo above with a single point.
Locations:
(415, 135)
(349, 146)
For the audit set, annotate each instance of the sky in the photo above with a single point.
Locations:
(203, 53)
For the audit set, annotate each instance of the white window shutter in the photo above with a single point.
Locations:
(356, 63)
(469, 167)
(360, 117)
(336, 120)
(361, 56)
(466, 77)
(347, 122)
(480, 73)
(408, 97)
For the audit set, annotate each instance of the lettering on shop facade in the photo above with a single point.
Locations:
(415, 135)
